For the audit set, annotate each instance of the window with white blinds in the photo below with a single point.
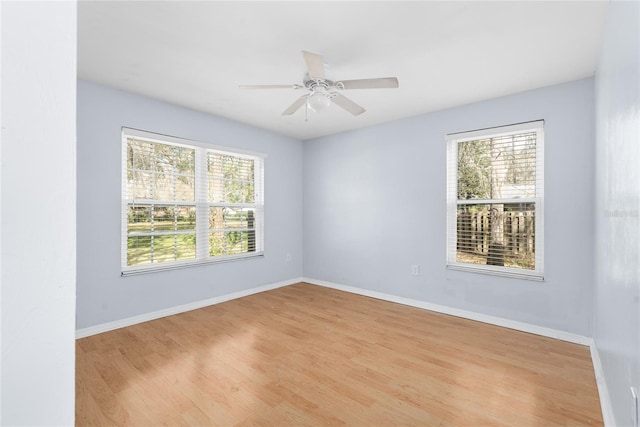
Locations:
(187, 203)
(495, 200)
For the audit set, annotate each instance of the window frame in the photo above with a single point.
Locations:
(200, 202)
(452, 141)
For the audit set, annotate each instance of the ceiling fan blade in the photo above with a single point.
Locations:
(382, 83)
(294, 86)
(295, 106)
(344, 102)
(315, 65)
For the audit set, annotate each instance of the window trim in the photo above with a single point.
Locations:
(452, 141)
(201, 150)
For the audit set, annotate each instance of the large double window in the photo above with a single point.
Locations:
(495, 196)
(186, 203)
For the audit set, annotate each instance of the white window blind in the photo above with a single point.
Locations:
(186, 203)
(495, 200)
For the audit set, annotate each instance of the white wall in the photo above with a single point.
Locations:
(38, 214)
(103, 295)
(375, 203)
(617, 206)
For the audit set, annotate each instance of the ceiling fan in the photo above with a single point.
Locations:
(322, 91)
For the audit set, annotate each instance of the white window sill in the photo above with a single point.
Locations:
(497, 271)
(166, 266)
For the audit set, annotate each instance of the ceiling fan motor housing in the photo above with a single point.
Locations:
(314, 84)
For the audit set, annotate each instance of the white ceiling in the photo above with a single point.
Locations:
(444, 54)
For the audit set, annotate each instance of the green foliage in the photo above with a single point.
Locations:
(231, 179)
(228, 242)
(142, 218)
(497, 167)
(160, 171)
(474, 170)
(172, 247)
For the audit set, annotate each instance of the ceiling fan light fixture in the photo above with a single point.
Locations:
(319, 101)
(322, 92)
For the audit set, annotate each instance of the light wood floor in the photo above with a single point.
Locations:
(307, 355)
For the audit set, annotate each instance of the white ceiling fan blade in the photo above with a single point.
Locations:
(315, 65)
(382, 83)
(295, 106)
(344, 102)
(294, 86)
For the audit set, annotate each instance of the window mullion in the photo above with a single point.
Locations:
(452, 199)
(202, 205)
(539, 220)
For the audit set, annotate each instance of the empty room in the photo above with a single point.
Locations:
(320, 213)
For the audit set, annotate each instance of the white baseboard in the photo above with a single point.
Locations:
(603, 391)
(498, 321)
(117, 324)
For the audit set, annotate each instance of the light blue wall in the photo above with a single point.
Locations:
(375, 203)
(617, 206)
(103, 295)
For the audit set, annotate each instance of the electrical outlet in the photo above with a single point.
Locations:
(635, 414)
(288, 257)
(415, 269)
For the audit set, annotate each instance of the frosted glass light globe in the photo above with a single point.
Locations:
(319, 101)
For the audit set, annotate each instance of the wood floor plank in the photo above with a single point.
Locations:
(305, 355)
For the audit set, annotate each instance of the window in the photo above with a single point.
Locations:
(495, 199)
(187, 203)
